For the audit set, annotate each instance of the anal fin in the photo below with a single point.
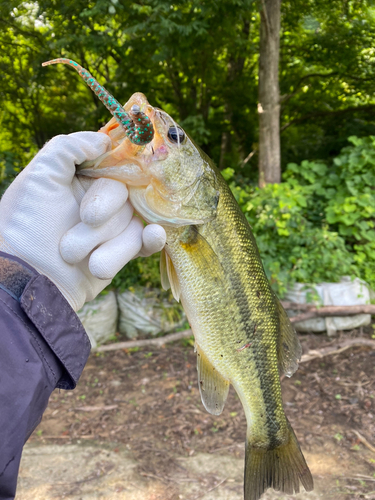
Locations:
(213, 387)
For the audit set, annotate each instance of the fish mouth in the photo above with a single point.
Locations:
(124, 151)
(117, 134)
(113, 128)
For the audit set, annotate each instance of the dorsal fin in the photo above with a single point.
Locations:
(289, 348)
(213, 387)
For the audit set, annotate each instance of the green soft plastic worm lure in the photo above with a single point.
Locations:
(137, 125)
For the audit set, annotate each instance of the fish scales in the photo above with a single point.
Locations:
(211, 261)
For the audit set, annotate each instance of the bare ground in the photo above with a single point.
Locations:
(135, 429)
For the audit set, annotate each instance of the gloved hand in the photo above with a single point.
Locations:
(78, 232)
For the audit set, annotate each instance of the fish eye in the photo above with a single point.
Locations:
(176, 134)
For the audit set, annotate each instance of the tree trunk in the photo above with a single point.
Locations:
(269, 99)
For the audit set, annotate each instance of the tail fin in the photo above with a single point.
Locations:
(281, 469)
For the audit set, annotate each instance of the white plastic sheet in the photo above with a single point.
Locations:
(347, 292)
(99, 318)
(146, 312)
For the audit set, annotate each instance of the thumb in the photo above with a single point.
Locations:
(57, 160)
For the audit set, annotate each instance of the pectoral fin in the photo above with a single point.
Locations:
(289, 349)
(213, 387)
(203, 255)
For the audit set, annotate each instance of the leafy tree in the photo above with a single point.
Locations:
(327, 76)
(199, 61)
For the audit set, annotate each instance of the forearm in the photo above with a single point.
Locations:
(43, 346)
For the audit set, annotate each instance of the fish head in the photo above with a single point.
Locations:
(170, 180)
(183, 184)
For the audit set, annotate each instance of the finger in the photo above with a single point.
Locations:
(79, 241)
(80, 186)
(61, 154)
(153, 239)
(102, 201)
(107, 260)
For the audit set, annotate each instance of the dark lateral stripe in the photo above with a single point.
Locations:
(261, 361)
(249, 320)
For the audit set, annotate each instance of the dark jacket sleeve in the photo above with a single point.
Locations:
(43, 346)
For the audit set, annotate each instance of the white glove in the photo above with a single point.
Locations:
(78, 232)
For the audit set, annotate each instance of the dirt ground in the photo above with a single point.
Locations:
(143, 407)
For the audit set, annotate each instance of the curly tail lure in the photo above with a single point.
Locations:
(136, 124)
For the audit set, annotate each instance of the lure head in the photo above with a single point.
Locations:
(141, 113)
(174, 184)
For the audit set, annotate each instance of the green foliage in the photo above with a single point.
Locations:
(327, 76)
(178, 55)
(347, 193)
(292, 247)
(9, 168)
(318, 224)
(142, 272)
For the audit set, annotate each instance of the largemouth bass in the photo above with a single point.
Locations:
(243, 336)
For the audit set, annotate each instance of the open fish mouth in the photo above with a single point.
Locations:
(129, 162)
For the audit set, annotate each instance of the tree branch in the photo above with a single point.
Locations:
(296, 306)
(21, 45)
(352, 109)
(249, 156)
(286, 97)
(337, 348)
(319, 312)
(264, 11)
(364, 441)
(160, 341)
